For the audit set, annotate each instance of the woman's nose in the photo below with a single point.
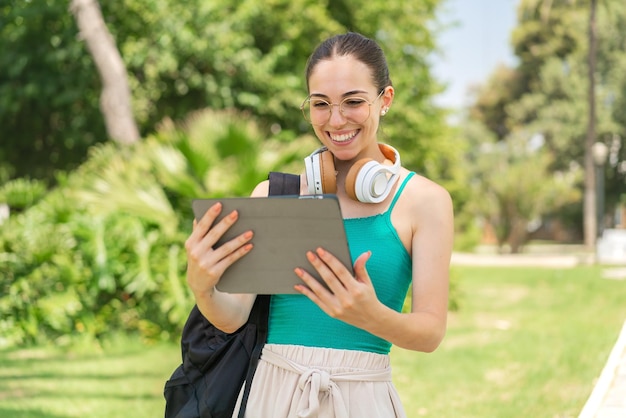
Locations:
(337, 117)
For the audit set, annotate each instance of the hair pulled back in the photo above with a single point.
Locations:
(361, 48)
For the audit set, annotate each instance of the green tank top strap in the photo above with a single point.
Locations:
(399, 192)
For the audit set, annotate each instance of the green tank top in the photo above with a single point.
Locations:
(294, 319)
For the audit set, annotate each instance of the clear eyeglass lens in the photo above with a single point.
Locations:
(318, 111)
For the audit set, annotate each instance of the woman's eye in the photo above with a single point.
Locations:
(319, 105)
(354, 102)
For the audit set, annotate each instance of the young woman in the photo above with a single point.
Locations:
(327, 352)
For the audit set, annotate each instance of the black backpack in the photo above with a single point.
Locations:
(215, 365)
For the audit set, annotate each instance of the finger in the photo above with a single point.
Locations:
(313, 289)
(231, 257)
(360, 271)
(200, 228)
(326, 273)
(312, 282)
(216, 232)
(203, 248)
(341, 272)
(211, 270)
(233, 245)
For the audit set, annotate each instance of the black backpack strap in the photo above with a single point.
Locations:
(284, 184)
(280, 184)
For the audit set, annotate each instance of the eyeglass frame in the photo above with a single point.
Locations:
(330, 109)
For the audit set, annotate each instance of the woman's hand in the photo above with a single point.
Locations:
(348, 298)
(205, 264)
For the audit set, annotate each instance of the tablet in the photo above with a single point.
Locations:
(285, 228)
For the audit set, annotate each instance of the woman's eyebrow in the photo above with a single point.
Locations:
(346, 94)
(353, 92)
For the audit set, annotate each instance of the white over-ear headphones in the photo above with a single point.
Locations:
(367, 181)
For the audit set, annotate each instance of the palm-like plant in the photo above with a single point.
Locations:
(104, 251)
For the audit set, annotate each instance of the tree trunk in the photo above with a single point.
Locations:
(115, 100)
(589, 209)
(518, 235)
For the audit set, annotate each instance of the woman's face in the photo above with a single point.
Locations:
(345, 133)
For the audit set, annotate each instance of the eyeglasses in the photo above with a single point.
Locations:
(356, 109)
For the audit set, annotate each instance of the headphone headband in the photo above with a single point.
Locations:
(367, 181)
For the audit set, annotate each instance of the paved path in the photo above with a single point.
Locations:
(608, 397)
(520, 260)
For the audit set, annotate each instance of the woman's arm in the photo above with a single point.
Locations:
(424, 328)
(205, 266)
(353, 299)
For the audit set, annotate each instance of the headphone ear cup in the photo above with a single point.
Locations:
(327, 172)
(353, 177)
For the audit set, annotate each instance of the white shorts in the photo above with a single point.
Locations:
(305, 382)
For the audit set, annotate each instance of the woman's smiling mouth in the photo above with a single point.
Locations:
(343, 137)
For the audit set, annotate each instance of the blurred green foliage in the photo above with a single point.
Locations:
(102, 249)
(546, 94)
(102, 252)
(184, 56)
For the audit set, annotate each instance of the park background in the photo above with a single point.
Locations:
(99, 163)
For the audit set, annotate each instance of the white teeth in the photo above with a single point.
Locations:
(344, 137)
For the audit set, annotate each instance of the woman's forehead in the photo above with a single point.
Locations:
(339, 75)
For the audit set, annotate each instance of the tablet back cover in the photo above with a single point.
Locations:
(285, 228)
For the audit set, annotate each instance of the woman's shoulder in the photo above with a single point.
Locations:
(424, 194)
(420, 185)
(262, 189)
(422, 204)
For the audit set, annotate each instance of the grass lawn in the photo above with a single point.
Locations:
(123, 380)
(527, 342)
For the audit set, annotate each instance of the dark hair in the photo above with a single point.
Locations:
(361, 48)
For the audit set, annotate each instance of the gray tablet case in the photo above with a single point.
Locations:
(285, 228)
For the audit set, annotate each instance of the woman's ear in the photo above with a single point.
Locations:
(387, 98)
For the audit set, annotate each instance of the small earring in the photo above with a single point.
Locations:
(383, 112)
